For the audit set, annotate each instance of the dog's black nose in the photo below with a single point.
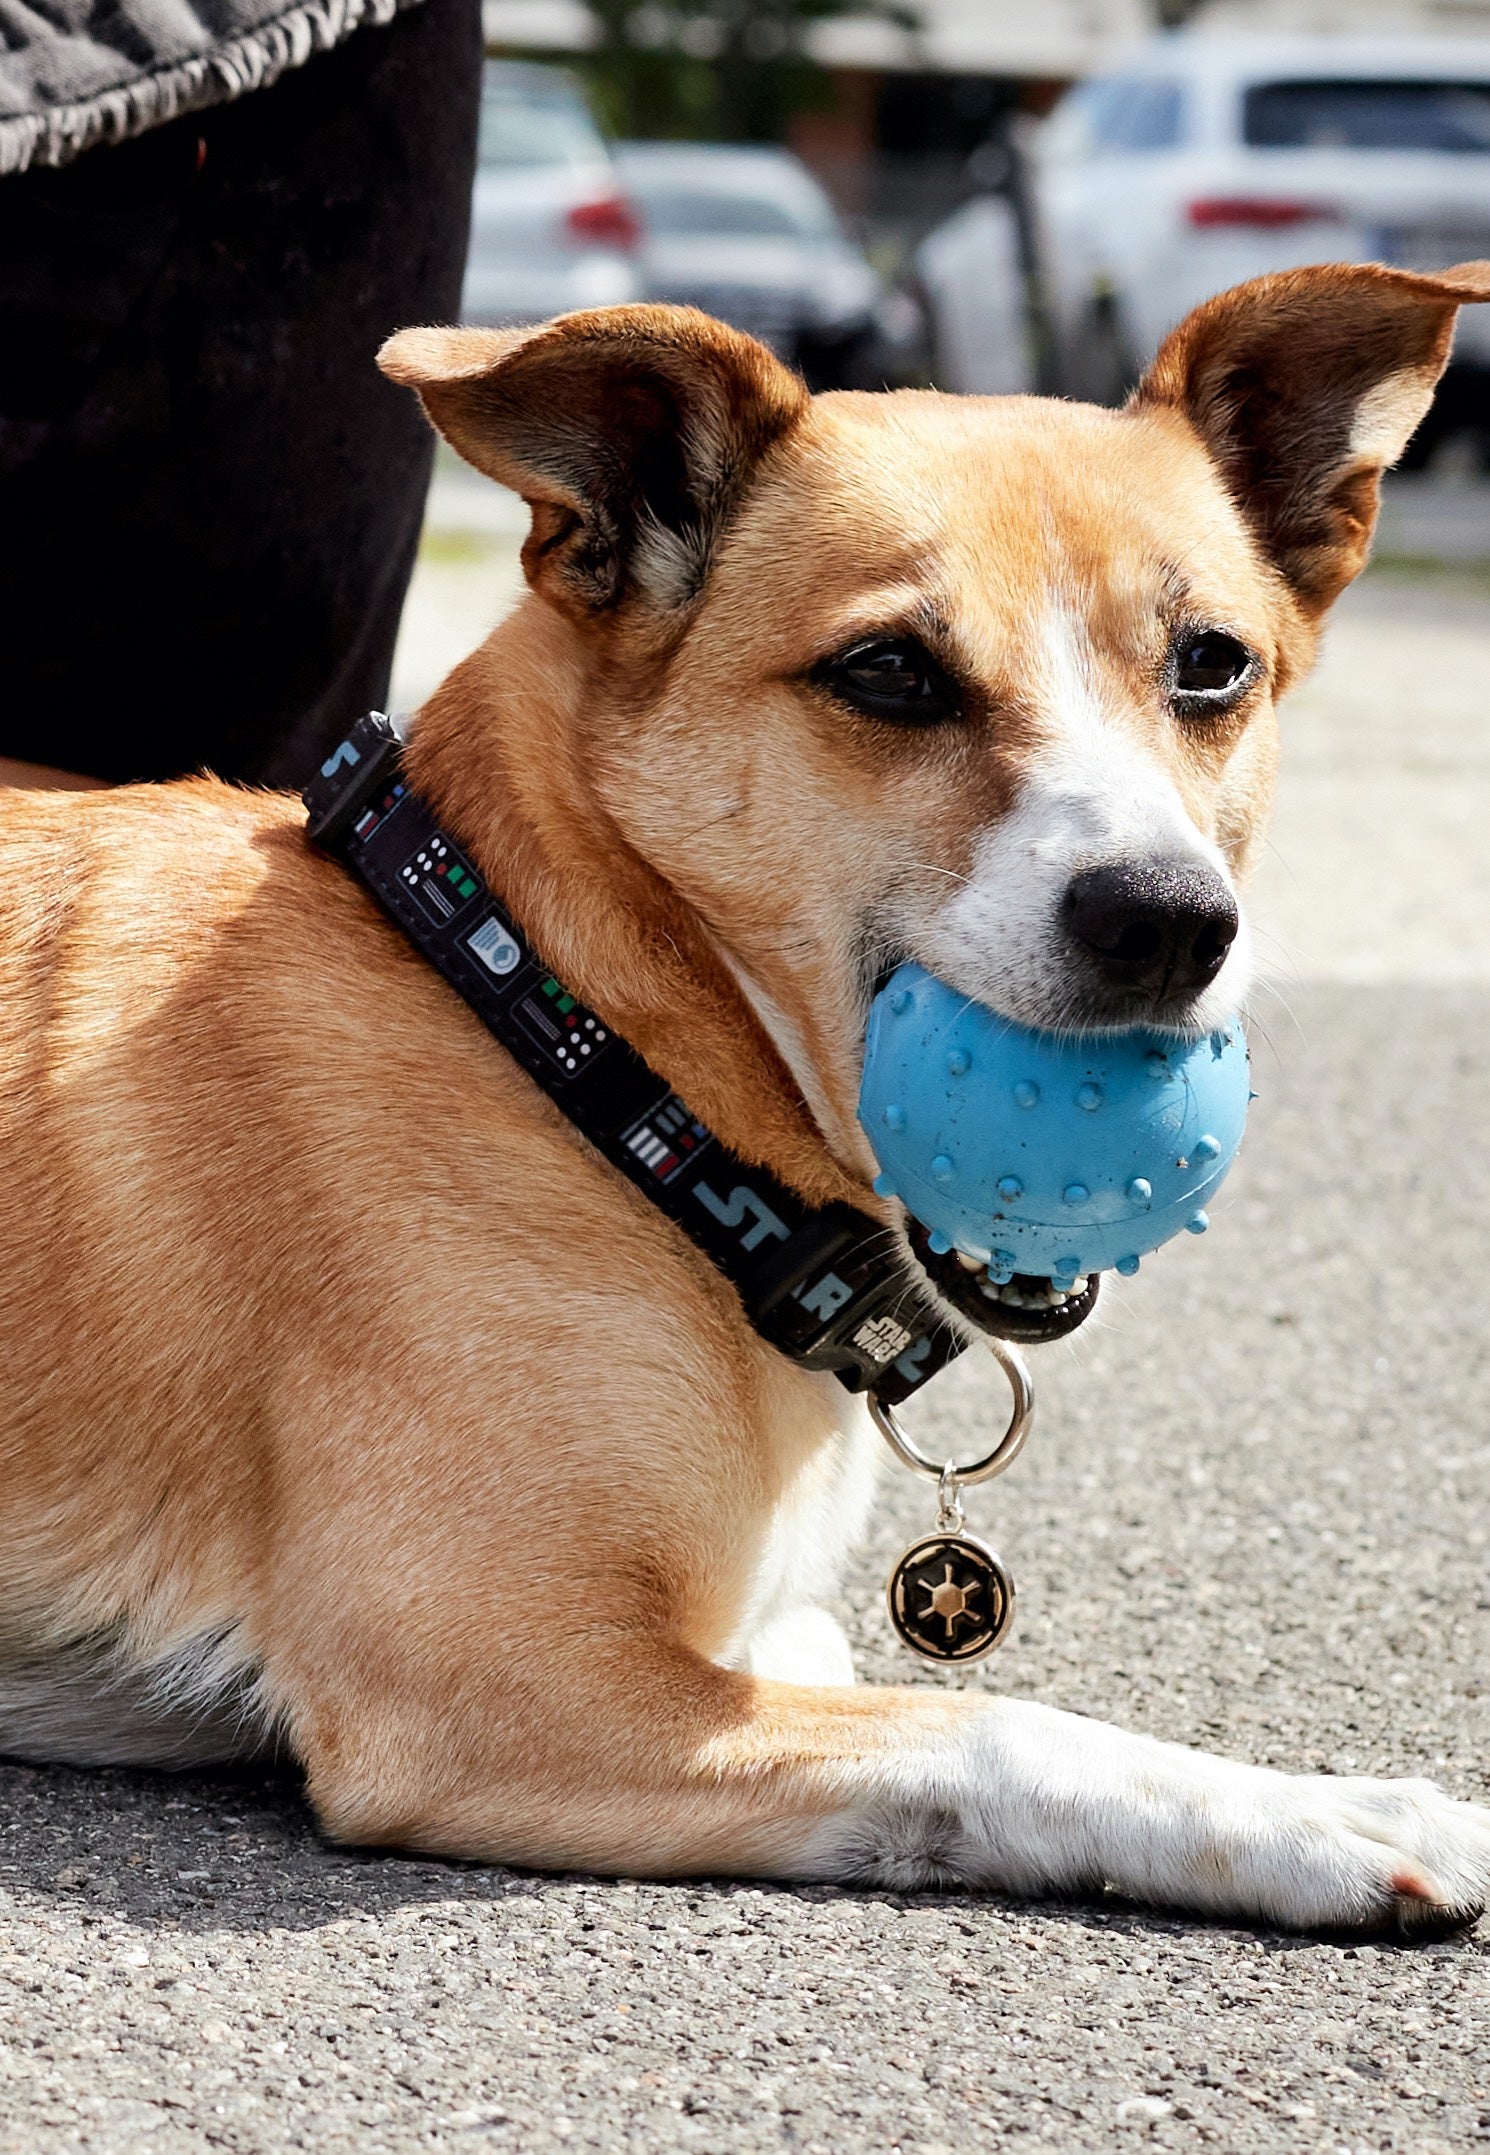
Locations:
(1149, 925)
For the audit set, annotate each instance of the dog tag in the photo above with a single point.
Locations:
(951, 1598)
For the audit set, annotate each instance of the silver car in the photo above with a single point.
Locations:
(748, 235)
(550, 226)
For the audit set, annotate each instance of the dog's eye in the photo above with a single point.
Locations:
(1210, 663)
(891, 677)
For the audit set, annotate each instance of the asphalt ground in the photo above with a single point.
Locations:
(1255, 1515)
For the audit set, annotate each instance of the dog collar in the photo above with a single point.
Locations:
(816, 1281)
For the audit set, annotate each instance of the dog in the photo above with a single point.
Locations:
(350, 1403)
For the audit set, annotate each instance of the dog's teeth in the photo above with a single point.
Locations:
(968, 1264)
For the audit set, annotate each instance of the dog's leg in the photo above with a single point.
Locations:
(643, 1759)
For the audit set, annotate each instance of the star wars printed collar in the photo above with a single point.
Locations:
(818, 1282)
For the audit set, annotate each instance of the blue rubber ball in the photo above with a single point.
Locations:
(1038, 1153)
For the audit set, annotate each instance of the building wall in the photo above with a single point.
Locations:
(1452, 17)
(991, 37)
(973, 37)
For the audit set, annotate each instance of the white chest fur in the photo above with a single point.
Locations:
(818, 1521)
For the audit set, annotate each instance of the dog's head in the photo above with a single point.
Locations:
(986, 682)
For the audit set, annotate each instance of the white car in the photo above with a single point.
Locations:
(1211, 158)
(551, 228)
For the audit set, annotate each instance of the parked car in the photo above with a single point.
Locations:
(1211, 158)
(550, 226)
(748, 235)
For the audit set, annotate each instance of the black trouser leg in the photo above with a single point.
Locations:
(209, 497)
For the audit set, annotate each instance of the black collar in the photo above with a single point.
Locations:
(824, 1283)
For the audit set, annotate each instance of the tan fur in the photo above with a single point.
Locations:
(322, 1333)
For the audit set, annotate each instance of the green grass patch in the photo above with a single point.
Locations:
(1428, 568)
(457, 549)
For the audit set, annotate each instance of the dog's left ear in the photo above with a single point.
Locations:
(1304, 387)
(631, 433)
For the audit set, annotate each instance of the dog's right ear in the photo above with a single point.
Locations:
(631, 432)
(1304, 387)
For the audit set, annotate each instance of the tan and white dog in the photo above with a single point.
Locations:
(348, 1400)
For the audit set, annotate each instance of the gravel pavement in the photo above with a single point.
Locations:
(1254, 1516)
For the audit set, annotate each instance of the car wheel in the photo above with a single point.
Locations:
(1101, 368)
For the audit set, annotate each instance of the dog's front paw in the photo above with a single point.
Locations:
(1069, 1802)
(1356, 1854)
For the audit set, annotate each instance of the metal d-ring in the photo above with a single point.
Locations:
(1004, 1453)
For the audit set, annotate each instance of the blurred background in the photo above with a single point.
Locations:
(985, 194)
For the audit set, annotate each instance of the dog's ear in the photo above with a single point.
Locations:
(629, 431)
(1304, 387)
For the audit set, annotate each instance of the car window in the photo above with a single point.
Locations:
(1132, 114)
(678, 212)
(1368, 116)
(535, 119)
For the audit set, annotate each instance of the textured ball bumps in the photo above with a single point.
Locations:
(1042, 1154)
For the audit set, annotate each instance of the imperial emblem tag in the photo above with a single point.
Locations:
(951, 1600)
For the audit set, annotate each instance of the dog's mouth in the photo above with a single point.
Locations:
(1025, 1309)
